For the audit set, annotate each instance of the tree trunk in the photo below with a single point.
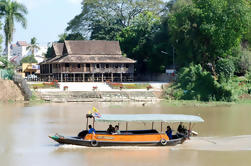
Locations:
(8, 50)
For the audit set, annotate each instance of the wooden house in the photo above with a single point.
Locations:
(87, 61)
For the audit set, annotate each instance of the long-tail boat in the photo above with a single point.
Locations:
(131, 137)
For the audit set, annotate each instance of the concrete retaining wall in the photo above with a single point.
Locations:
(88, 96)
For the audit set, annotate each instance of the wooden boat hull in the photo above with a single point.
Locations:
(96, 143)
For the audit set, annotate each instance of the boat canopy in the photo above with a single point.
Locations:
(171, 118)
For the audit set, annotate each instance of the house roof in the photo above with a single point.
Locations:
(88, 51)
(93, 59)
(92, 47)
(58, 48)
(13, 45)
(22, 43)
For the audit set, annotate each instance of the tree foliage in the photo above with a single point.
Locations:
(195, 83)
(136, 41)
(71, 36)
(104, 19)
(12, 11)
(29, 59)
(33, 46)
(203, 31)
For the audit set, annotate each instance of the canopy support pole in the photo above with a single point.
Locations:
(93, 122)
(152, 125)
(87, 124)
(161, 126)
(189, 130)
(126, 126)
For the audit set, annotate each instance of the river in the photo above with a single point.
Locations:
(224, 138)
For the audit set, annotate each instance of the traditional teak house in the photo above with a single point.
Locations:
(86, 61)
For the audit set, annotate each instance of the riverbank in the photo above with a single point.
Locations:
(196, 103)
(10, 92)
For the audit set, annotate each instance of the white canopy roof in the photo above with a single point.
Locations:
(172, 118)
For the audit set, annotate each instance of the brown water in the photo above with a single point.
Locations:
(224, 138)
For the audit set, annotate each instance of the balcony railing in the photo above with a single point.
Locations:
(92, 70)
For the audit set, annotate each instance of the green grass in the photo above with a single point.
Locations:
(129, 86)
(196, 103)
(42, 86)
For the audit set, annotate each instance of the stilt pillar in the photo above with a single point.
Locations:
(112, 76)
(121, 77)
(102, 77)
(83, 77)
(74, 77)
(93, 77)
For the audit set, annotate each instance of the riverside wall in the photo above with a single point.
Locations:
(99, 96)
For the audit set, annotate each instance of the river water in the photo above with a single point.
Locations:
(224, 138)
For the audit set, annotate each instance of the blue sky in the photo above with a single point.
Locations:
(46, 19)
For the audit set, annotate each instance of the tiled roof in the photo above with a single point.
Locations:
(22, 43)
(92, 47)
(58, 48)
(88, 51)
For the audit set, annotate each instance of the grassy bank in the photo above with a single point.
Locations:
(201, 103)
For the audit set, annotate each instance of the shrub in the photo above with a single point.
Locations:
(193, 83)
(225, 69)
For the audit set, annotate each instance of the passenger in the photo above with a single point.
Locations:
(91, 130)
(169, 132)
(110, 129)
(180, 128)
(117, 129)
(182, 131)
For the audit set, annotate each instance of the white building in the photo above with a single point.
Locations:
(19, 51)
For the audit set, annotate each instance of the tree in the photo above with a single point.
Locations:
(49, 52)
(71, 36)
(202, 31)
(33, 46)
(28, 59)
(11, 11)
(104, 19)
(136, 41)
(62, 37)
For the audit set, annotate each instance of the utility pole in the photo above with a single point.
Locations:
(173, 58)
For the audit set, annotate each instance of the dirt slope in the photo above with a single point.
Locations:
(9, 91)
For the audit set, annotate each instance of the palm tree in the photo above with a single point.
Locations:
(33, 46)
(11, 11)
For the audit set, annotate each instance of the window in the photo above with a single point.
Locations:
(79, 65)
(107, 66)
(127, 65)
(97, 65)
(67, 65)
(88, 65)
(116, 66)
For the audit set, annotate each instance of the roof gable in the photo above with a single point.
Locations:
(92, 47)
(22, 43)
(58, 48)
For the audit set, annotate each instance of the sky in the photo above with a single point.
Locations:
(46, 19)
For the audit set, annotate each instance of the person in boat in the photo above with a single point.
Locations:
(91, 130)
(169, 132)
(117, 131)
(110, 129)
(181, 129)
